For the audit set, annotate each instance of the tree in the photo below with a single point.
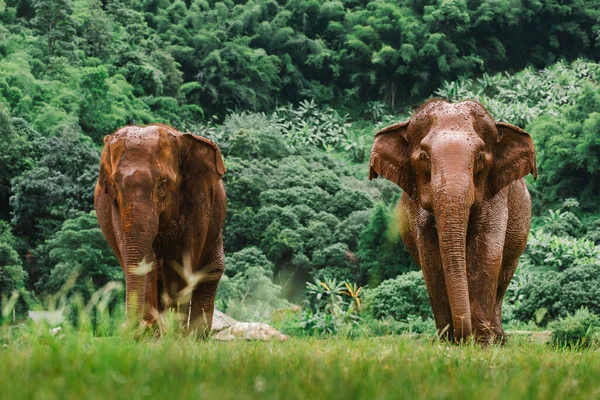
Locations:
(335, 262)
(381, 253)
(400, 298)
(54, 21)
(12, 275)
(239, 262)
(557, 294)
(61, 184)
(18, 153)
(568, 151)
(78, 248)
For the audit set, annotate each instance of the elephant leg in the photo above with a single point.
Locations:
(151, 297)
(431, 264)
(485, 241)
(483, 286)
(517, 232)
(203, 297)
(508, 269)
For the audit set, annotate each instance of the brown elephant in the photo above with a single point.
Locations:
(465, 211)
(161, 205)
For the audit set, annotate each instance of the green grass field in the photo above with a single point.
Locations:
(81, 367)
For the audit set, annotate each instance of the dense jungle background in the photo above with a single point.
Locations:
(293, 92)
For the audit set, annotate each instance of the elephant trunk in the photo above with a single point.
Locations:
(140, 229)
(452, 201)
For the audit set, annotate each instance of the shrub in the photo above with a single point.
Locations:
(241, 261)
(560, 293)
(562, 223)
(335, 262)
(381, 253)
(348, 231)
(333, 306)
(250, 295)
(558, 252)
(12, 275)
(78, 247)
(400, 298)
(576, 330)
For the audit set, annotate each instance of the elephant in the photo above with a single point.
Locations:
(465, 211)
(161, 205)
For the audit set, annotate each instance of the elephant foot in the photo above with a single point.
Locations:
(499, 336)
(445, 333)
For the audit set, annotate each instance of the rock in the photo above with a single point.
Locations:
(227, 328)
(55, 331)
(250, 331)
(221, 321)
(52, 317)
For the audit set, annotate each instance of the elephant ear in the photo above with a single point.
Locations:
(514, 158)
(390, 158)
(202, 159)
(105, 166)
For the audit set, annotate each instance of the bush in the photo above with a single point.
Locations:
(381, 253)
(12, 275)
(558, 252)
(576, 330)
(79, 247)
(333, 307)
(560, 293)
(241, 261)
(247, 291)
(335, 262)
(400, 298)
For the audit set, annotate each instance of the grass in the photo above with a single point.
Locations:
(79, 366)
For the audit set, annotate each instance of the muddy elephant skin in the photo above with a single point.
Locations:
(465, 211)
(161, 205)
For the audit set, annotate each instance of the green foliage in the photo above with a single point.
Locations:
(381, 253)
(247, 291)
(177, 62)
(54, 21)
(241, 261)
(576, 330)
(308, 124)
(334, 262)
(333, 306)
(547, 295)
(390, 326)
(400, 298)
(558, 252)
(79, 250)
(562, 223)
(522, 97)
(19, 152)
(12, 275)
(569, 150)
(56, 188)
(303, 209)
(276, 84)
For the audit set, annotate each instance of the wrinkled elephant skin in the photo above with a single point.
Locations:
(465, 211)
(161, 205)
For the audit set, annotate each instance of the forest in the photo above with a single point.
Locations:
(293, 91)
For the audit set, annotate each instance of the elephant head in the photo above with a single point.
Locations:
(150, 173)
(449, 159)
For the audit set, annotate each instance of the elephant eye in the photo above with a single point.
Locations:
(423, 156)
(162, 187)
(480, 160)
